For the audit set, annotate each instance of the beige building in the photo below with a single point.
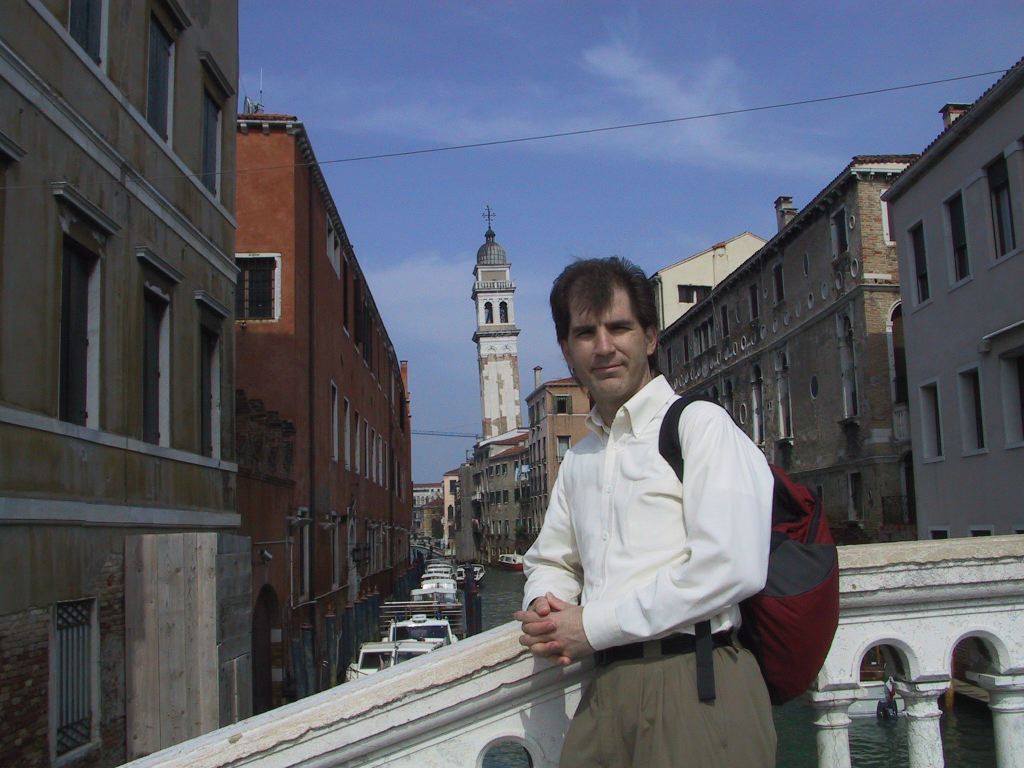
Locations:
(801, 344)
(958, 216)
(557, 411)
(680, 286)
(116, 380)
(492, 487)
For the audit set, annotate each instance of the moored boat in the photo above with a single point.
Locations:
(380, 655)
(511, 561)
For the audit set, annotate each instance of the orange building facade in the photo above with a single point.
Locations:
(324, 484)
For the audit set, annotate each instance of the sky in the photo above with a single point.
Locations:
(371, 78)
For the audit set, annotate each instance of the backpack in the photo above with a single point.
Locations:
(789, 625)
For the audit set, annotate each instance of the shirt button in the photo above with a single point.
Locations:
(607, 489)
(604, 536)
(598, 583)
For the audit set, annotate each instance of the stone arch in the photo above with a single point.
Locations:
(266, 650)
(882, 660)
(488, 312)
(534, 755)
(989, 646)
(503, 312)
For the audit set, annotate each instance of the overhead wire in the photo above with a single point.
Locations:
(580, 131)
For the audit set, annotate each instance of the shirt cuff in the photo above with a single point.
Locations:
(601, 625)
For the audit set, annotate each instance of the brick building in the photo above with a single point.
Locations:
(117, 474)
(802, 344)
(958, 216)
(557, 412)
(330, 524)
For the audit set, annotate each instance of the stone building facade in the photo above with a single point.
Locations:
(958, 216)
(313, 350)
(493, 489)
(557, 411)
(116, 366)
(801, 345)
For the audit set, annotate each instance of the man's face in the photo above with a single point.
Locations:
(608, 353)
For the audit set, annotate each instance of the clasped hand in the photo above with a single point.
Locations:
(553, 628)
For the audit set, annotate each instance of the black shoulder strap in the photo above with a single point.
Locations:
(672, 452)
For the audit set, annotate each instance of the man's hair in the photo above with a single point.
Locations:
(589, 284)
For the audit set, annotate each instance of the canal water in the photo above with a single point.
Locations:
(967, 736)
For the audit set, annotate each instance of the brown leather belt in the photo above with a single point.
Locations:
(673, 645)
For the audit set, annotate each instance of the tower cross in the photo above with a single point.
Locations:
(489, 215)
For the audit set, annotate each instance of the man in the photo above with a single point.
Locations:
(629, 559)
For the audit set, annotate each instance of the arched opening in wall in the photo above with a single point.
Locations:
(971, 656)
(267, 655)
(507, 753)
(907, 485)
(899, 356)
(503, 312)
(488, 312)
(881, 666)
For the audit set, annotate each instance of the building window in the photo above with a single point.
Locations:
(156, 396)
(725, 320)
(958, 236)
(757, 404)
(257, 287)
(305, 522)
(367, 456)
(503, 312)
(668, 359)
(563, 404)
(848, 367)
(488, 313)
(348, 436)
(920, 263)
(981, 531)
(357, 444)
(780, 286)
(79, 335)
(85, 23)
(939, 533)
(336, 554)
(855, 498)
(840, 244)
(211, 143)
(209, 392)
(1002, 211)
(785, 406)
(686, 348)
(807, 264)
(563, 446)
(74, 663)
(727, 398)
(334, 422)
(1012, 375)
(931, 422)
(160, 79)
(753, 298)
(971, 420)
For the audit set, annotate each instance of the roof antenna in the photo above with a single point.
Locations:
(251, 107)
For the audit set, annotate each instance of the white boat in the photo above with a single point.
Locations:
(511, 561)
(421, 628)
(477, 570)
(378, 656)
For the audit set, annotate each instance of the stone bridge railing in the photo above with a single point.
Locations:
(919, 600)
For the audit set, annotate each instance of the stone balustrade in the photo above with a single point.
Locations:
(919, 600)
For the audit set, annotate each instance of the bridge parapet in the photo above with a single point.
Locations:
(920, 600)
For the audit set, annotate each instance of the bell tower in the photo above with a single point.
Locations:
(495, 337)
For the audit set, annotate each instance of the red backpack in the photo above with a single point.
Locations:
(789, 625)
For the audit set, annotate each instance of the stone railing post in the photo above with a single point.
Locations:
(832, 723)
(1006, 702)
(923, 732)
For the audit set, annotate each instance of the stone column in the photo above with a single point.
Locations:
(922, 710)
(1006, 702)
(832, 723)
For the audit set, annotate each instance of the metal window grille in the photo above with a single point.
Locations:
(254, 297)
(74, 669)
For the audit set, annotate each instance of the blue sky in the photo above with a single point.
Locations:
(377, 77)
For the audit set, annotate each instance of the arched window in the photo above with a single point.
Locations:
(503, 312)
(488, 312)
(848, 367)
(785, 406)
(757, 403)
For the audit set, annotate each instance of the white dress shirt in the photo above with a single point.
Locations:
(617, 540)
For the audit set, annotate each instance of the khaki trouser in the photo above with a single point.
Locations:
(644, 713)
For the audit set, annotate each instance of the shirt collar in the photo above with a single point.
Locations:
(638, 410)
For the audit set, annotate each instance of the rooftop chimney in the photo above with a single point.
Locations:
(784, 210)
(950, 113)
(537, 370)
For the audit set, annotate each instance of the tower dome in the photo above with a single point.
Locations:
(491, 253)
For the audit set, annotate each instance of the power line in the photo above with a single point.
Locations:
(587, 131)
(436, 433)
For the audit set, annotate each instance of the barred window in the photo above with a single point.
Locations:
(254, 293)
(74, 664)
